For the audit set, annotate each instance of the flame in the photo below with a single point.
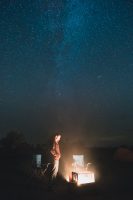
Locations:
(78, 172)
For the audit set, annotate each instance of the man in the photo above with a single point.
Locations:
(55, 155)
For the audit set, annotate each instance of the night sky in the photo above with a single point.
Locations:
(67, 65)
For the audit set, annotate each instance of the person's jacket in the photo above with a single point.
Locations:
(55, 151)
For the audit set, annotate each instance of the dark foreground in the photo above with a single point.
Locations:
(114, 180)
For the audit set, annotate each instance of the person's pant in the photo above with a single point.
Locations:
(53, 173)
(54, 170)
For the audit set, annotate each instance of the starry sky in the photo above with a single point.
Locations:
(67, 65)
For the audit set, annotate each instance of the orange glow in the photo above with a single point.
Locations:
(79, 173)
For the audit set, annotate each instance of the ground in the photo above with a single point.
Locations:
(113, 182)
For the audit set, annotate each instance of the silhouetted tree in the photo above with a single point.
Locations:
(13, 140)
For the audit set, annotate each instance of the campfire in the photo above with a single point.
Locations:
(80, 173)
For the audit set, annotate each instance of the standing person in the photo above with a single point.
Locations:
(55, 157)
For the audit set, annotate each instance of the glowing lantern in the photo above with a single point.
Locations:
(81, 174)
(85, 177)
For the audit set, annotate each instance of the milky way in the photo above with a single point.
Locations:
(67, 65)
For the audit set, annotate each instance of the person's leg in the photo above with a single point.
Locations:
(55, 169)
(53, 174)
